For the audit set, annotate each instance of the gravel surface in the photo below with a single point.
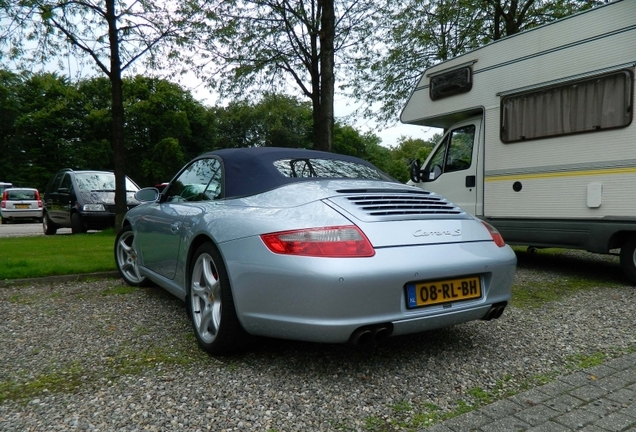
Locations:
(99, 356)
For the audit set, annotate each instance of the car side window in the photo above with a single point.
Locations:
(55, 183)
(67, 183)
(200, 181)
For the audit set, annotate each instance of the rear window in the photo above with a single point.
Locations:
(327, 168)
(19, 195)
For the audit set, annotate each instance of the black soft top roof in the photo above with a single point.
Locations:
(251, 170)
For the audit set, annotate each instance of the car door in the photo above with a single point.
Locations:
(161, 230)
(64, 200)
(57, 199)
(451, 170)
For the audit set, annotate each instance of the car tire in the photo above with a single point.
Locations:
(628, 258)
(48, 226)
(126, 258)
(77, 225)
(210, 304)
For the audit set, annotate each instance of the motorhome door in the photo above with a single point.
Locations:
(451, 169)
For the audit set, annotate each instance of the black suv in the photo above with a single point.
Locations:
(82, 201)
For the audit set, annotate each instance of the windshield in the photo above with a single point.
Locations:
(101, 182)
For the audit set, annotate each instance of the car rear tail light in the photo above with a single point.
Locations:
(334, 242)
(37, 197)
(496, 236)
(4, 199)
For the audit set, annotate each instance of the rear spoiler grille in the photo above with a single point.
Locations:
(403, 204)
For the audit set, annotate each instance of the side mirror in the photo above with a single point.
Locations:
(415, 171)
(149, 194)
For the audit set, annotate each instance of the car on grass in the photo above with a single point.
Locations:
(311, 246)
(20, 204)
(82, 200)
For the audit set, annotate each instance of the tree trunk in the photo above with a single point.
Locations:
(324, 130)
(118, 145)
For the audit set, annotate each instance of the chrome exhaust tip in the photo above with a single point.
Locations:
(368, 335)
(495, 311)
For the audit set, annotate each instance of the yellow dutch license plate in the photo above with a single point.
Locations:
(442, 291)
(22, 206)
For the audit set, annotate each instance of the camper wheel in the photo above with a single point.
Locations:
(628, 258)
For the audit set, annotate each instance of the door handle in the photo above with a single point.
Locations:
(470, 181)
(175, 227)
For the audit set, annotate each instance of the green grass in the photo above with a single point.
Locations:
(414, 418)
(54, 382)
(38, 256)
(565, 276)
(536, 294)
(69, 378)
(581, 361)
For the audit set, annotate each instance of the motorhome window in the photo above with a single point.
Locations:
(454, 154)
(451, 83)
(591, 105)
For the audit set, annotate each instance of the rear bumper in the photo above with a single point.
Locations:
(21, 214)
(98, 220)
(328, 299)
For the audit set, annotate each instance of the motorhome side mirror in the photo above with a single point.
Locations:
(415, 171)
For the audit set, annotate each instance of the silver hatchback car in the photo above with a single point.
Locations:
(314, 246)
(21, 204)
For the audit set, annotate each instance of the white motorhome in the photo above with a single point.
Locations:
(539, 137)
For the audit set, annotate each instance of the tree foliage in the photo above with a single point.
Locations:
(109, 34)
(413, 35)
(274, 120)
(58, 124)
(53, 123)
(44, 126)
(253, 52)
(274, 46)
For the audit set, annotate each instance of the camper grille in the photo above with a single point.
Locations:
(402, 204)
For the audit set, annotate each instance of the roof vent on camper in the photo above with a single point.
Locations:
(451, 83)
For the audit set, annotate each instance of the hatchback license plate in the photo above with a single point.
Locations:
(22, 206)
(442, 291)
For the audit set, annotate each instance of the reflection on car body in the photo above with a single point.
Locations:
(311, 246)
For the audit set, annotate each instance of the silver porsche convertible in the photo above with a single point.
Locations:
(313, 246)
